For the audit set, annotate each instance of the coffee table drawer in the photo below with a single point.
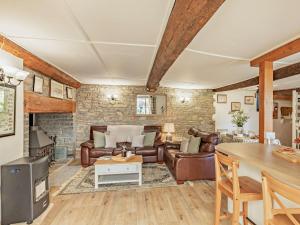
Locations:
(117, 169)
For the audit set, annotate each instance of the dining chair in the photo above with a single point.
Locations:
(279, 215)
(239, 189)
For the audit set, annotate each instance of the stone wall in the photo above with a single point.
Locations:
(95, 108)
(59, 124)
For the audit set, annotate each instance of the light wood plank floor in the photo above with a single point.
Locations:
(186, 205)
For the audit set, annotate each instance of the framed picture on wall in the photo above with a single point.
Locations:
(235, 106)
(7, 110)
(69, 92)
(56, 89)
(38, 83)
(249, 100)
(221, 98)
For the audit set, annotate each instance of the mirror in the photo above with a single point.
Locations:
(150, 104)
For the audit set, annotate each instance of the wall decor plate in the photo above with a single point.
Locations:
(7, 110)
(38, 83)
(221, 98)
(56, 89)
(249, 100)
(235, 106)
(69, 92)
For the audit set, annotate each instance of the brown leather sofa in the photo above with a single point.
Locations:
(196, 166)
(89, 153)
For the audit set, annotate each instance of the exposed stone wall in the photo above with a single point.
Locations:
(61, 125)
(95, 108)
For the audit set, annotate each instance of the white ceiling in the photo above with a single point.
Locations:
(115, 41)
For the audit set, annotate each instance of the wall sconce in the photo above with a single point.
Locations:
(12, 76)
(113, 98)
(184, 100)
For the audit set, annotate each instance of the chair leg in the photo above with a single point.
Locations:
(245, 213)
(218, 206)
(236, 212)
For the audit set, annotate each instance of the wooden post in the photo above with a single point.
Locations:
(265, 99)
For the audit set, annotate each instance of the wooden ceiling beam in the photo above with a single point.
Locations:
(278, 53)
(187, 18)
(278, 74)
(37, 64)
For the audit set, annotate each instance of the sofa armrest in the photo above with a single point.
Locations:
(194, 155)
(158, 143)
(88, 144)
(172, 145)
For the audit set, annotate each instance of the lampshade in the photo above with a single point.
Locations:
(169, 128)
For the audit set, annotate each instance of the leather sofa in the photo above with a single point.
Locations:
(89, 153)
(193, 166)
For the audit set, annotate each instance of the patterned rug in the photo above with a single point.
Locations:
(154, 175)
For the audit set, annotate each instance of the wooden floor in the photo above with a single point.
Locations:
(156, 206)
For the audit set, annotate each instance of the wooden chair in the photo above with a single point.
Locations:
(281, 215)
(239, 189)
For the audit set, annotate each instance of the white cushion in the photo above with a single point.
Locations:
(138, 141)
(125, 133)
(110, 141)
(184, 145)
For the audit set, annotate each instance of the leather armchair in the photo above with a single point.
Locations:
(193, 166)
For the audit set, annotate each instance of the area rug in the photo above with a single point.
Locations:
(154, 175)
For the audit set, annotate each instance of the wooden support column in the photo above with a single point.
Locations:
(265, 99)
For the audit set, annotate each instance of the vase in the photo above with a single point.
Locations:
(239, 130)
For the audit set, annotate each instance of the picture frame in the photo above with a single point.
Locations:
(38, 83)
(56, 89)
(7, 110)
(249, 100)
(221, 98)
(235, 106)
(69, 92)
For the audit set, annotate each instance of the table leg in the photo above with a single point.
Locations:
(96, 180)
(140, 175)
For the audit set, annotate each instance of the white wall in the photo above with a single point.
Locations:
(283, 128)
(223, 119)
(11, 147)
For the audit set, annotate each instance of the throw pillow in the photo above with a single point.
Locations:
(110, 141)
(184, 145)
(138, 141)
(99, 139)
(194, 144)
(149, 139)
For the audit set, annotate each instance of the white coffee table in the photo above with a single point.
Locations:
(111, 172)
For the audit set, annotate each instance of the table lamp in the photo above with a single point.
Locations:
(169, 128)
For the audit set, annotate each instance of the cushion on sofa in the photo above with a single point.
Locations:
(99, 139)
(138, 141)
(194, 144)
(110, 141)
(184, 145)
(149, 138)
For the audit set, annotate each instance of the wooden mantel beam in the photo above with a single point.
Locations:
(187, 18)
(278, 53)
(278, 74)
(35, 63)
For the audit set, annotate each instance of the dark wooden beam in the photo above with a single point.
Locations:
(187, 18)
(35, 103)
(35, 63)
(278, 74)
(265, 99)
(278, 53)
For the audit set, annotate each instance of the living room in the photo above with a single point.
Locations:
(132, 106)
